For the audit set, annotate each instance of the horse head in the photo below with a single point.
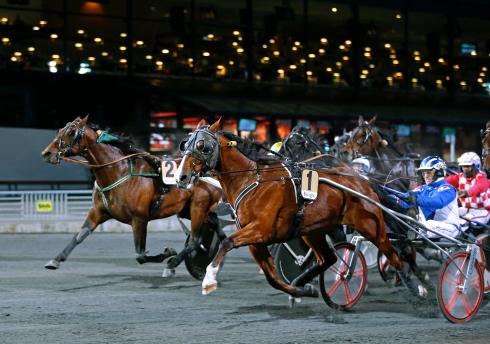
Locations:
(485, 154)
(365, 140)
(340, 142)
(68, 141)
(200, 153)
(300, 144)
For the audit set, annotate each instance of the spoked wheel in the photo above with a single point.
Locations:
(481, 260)
(197, 261)
(388, 272)
(370, 253)
(456, 306)
(292, 258)
(339, 289)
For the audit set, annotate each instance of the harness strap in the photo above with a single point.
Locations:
(252, 186)
(120, 181)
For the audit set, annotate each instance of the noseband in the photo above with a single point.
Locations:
(66, 148)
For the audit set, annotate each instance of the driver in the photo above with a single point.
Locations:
(436, 199)
(361, 165)
(473, 193)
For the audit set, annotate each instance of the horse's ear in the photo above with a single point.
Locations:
(361, 120)
(84, 121)
(372, 121)
(202, 123)
(216, 126)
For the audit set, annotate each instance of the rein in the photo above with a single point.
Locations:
(109, 163)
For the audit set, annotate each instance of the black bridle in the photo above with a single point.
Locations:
(306, 142)
(361, 144)
(204, 146)
(65, 148)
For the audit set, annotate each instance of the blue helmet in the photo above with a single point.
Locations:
(433, 163)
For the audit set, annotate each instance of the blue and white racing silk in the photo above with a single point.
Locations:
(438, 202)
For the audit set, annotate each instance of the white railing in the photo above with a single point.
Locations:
(26, 206)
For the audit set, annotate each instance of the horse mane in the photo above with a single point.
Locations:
(252, 149)
(124, 143)
(389, 138)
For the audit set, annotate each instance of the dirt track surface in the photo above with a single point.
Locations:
(102, 295)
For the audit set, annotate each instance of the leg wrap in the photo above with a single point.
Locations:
(307, 276)
(82, 234)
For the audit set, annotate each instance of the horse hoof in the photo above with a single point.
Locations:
(52, 265)
(422, 292)
(168, 272)
(293, 300)
(208, 289)
(311, 290)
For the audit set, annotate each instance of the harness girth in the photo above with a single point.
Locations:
(294, 171)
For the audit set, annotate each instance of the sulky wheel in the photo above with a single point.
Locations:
(339, 289)
(456, 306)
(197, 261)
(292, 258)
(370, 253)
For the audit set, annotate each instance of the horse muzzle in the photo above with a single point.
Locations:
(51, 158)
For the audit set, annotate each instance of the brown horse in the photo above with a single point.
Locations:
(129, 189)
(263, 190)
(376, 145)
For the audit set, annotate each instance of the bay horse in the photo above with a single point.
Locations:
(129, 188)
(262, 189)
(302, 144)
(372, 143)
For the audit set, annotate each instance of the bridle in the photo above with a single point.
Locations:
(65, 148)
(306, 144)
(203, 145)
(361, 144)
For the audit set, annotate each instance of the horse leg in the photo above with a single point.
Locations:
(140, 230)
(410, 258)
(385, 246)
(210, 222)
(337, 234)
(266, 262)
(88, 227)
(380, 239)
